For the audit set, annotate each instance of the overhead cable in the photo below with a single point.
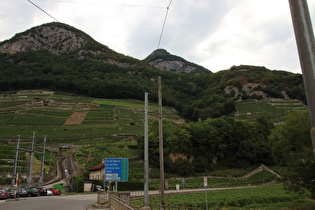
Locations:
(167, 9)
(100, 3)
(43, 10)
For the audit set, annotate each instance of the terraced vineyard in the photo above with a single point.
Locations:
(272, 110)
(108, 129)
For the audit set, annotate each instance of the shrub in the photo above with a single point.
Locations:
(78, 184)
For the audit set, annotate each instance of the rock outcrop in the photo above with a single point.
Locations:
(54, 39)
(163, 60)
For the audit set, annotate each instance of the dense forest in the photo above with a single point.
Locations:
(208, 144)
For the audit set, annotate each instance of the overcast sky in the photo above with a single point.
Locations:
(213, 33)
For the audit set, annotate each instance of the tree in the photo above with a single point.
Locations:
(153, 138)
(181, 142)
(293, 144)
(292, 138)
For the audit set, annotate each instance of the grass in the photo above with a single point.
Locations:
(305, 204)
(242, 198)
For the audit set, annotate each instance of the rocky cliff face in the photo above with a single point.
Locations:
(48, 37)
(163, 60)
(176, 66)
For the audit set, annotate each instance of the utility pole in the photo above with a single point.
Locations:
(306, 47)
(161, 143)
(30, 166)
(14, 177)
(42, 164)
(146, 153)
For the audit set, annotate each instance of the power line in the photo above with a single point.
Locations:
(99, 3)
(167, 9)
(43, 10)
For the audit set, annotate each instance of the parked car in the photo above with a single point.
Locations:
(4, 194)
(42, 191)
(9, 193)
(21, 192)
(49, 192)
(97, 188)
(56, 191)
(33, 192)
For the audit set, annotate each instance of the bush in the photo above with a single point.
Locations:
(78, 184)
(130, 185)
(183, 167)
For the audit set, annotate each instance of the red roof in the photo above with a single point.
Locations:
(98, 167)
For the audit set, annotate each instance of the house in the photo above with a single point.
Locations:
(97, 172)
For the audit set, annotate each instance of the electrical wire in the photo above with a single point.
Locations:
(167, 9)
(99, 3)
(43, 10)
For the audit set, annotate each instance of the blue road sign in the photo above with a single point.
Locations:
(116, 169)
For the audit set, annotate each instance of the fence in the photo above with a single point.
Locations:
(117, 201)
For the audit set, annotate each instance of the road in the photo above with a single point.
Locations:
(70, 202)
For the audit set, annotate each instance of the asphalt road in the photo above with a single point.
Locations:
(70, 202)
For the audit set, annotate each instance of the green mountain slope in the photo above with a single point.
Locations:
(58, 57)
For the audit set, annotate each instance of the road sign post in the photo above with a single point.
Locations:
(205, 182)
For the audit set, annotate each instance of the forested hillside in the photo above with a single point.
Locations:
(56, 56)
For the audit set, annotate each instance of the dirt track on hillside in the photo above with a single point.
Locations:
(76, 118)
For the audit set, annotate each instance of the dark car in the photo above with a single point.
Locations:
(56, 191)
(42, 191)
(97, 188)
(32, 192)
(21, 192)
(4, 194)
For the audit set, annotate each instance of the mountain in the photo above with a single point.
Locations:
(60, 39)
(59, 57)
(163, 60)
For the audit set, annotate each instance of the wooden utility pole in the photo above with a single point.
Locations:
(304, 36)
(161, 143)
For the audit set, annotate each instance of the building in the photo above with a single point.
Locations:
(97, 172)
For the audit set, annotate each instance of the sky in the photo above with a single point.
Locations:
(215, 34)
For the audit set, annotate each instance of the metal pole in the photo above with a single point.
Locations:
(15, 162)
(146, 152)
(42, 164)
(30, 166)
(206, 198)
(161, 143)
(306, 47)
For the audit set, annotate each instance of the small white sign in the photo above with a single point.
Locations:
(205, 181)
